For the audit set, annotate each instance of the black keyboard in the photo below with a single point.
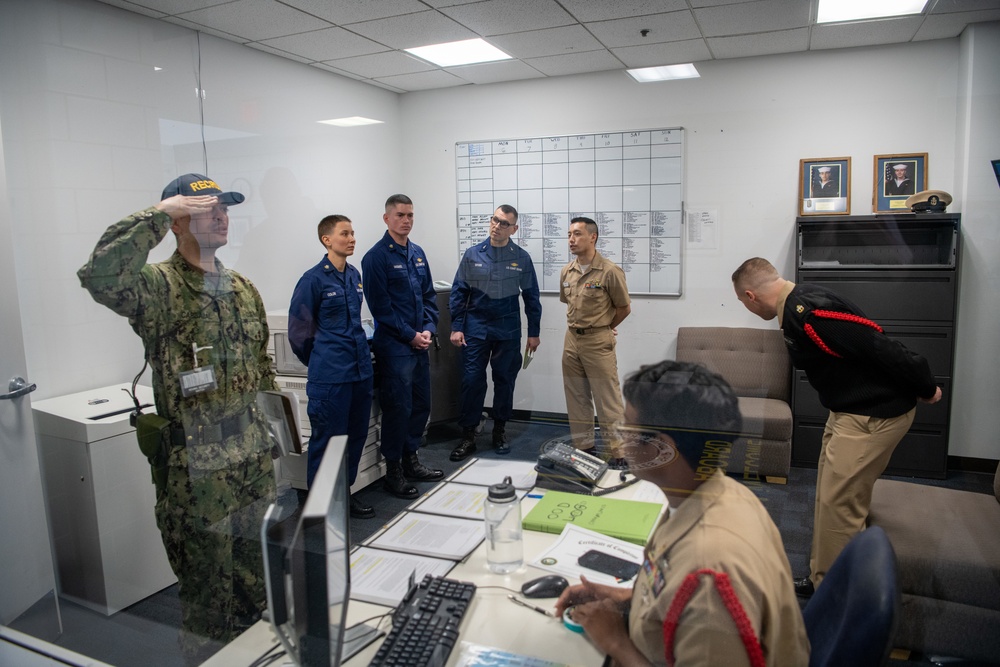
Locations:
(425, 624)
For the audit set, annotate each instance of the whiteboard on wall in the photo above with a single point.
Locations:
(630, 183)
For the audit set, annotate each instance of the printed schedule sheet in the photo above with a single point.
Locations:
(630, 183)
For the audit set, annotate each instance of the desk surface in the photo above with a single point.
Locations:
(492, 619)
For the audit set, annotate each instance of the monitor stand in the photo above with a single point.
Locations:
(356, 638)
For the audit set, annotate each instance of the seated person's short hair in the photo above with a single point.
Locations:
(687, 402)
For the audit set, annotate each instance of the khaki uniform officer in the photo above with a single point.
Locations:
(595, 292)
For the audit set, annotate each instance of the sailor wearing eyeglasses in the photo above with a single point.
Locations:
(486, 324)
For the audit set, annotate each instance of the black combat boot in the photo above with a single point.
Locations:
(466, 447)
(359, 510)
(415, 471)
(500, 445)
(395, 482)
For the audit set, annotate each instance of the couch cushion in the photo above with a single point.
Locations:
(753, 361)
(766, 418)
(947, 542)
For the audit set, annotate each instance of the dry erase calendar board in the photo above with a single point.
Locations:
(629, 182)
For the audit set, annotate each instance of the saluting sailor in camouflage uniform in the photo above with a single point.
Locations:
(205, 334)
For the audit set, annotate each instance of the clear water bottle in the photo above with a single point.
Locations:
(502, 513)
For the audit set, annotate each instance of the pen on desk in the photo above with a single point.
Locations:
(536, 495)
(521, 602)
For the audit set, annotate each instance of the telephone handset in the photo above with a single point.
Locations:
(563, 466)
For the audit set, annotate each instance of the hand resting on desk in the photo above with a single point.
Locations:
(600, 609)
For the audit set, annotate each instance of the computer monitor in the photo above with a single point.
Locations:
(308, 570)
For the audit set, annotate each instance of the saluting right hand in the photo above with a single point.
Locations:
(181, 206)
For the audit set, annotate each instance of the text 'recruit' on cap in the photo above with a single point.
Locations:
(193, 185)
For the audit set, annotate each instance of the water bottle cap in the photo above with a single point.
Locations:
(502, 491)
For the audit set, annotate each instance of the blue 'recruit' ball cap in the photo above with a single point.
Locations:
(192, 185)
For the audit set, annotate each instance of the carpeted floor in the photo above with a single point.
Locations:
(144, 635)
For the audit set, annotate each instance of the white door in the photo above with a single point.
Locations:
(26, 574)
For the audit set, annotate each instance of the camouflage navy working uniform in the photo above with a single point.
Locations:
(220, 477)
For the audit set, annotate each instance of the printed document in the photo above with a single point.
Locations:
(431, 535)
(461, 500)
(383, 577)
(575, 541)
(486, 472)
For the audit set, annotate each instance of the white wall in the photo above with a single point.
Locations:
(93, 133)
(748, 123)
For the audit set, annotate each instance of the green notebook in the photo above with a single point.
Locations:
(629, 520)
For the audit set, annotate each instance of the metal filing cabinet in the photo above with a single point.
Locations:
(100, 495)
(902, 271)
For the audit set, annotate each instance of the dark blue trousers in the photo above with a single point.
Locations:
(404, 395)
(504, 358)
(338, 409)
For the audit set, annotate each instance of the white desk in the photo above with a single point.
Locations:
(492, 619)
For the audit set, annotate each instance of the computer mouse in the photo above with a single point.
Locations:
(549, 586)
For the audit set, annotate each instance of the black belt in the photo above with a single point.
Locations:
(214, 433)
(581, 332)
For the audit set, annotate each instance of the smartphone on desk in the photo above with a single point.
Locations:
(605, 563)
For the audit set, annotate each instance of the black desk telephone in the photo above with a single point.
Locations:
(563, 467)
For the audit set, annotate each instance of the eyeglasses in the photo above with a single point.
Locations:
(502, 224)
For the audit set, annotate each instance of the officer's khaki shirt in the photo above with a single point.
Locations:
(592, 297)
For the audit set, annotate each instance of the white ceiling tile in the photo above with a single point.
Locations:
(576, 63)
(749, 17)
(671, 27)
(760, 44)
(949, 6)
(601, 10)
(499, 17)
(205, 29)
(404, 32)
(326, 44)
(353, 11)
(278, 52)
(437, 4)
(670, 53)
(133, 7)
(717, 3)
(423, 80)
(943, 26)
(334, 70)
(255, 20)
(174, 6)
(507, 70)
(867, 33)
(381, 64)
(548, 42)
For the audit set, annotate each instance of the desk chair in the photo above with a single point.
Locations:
(852, 617)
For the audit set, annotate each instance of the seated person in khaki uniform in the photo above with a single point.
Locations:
(715, 562)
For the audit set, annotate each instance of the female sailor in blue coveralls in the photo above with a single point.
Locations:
(325, 333)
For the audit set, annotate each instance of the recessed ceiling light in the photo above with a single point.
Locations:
(351, 121)
(663, 73)
(831, 11)
(465, 52)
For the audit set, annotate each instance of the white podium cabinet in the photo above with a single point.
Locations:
(108, 549)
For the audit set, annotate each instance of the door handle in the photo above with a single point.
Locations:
(18, 387)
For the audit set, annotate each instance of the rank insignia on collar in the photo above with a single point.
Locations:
(800, 308)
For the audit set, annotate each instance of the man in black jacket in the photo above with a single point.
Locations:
(869, 382)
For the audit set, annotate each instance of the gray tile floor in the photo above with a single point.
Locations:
(144, 635)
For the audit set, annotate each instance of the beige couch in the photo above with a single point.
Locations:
(947, 546)
(755, 363)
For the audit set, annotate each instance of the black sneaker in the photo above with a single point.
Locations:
(804, 587)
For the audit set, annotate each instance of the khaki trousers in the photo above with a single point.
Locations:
(590, 381)
(855, 452)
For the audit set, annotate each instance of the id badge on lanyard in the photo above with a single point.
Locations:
(200, 379)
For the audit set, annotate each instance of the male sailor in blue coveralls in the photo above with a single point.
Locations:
(401, 298)
(325, 333)
(486, 322)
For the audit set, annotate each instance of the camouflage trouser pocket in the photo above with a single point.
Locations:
(153, 433)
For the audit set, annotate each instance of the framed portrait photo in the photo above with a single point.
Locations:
(825, 186)
(896, 178)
